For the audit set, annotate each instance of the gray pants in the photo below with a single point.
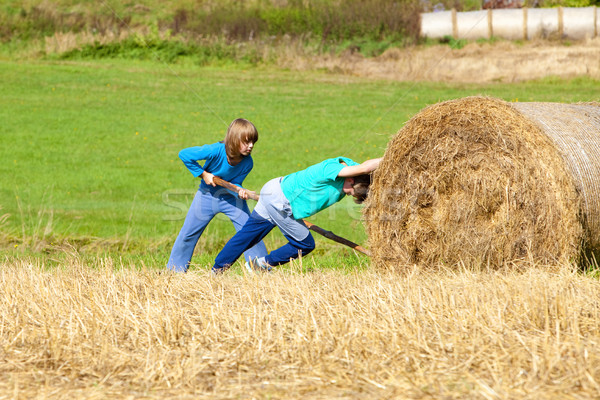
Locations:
(275, 207)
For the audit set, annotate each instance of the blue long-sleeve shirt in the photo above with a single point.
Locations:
(216, 163)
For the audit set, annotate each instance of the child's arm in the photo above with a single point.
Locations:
(360, 169)
(192, 155)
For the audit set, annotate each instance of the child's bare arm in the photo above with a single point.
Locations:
(364, 168)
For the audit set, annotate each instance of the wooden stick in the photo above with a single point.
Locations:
(234, 188)
(335, 238)
(328, 234)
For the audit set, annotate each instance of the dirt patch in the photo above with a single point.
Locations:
(475, 63)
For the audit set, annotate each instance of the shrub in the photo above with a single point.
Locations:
(330, 21)
(373, 19)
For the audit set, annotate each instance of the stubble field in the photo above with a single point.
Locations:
(104, 331)
(92, 196)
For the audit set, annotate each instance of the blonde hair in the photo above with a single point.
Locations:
(240, 130)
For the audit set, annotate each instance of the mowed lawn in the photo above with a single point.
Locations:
(89, 149)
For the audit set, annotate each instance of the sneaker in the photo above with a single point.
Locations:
(259, 265)
(219, 271)
(248, 267)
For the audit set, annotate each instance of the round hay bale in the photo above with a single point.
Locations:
(483, 181)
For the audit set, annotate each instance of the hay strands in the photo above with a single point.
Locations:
(328, 234)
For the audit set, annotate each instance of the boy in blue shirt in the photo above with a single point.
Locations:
(230, 160)
(286, 200)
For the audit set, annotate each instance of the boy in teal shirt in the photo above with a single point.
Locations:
(285, 201)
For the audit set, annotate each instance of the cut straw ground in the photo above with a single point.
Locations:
(97, 331)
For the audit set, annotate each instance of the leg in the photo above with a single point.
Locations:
(274, 206)
(238, 212)
(199, 215)
(291, 250)
(253, 231)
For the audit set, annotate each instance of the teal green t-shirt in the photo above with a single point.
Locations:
(316, 187)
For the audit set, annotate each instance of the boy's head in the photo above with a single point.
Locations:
(240, 138)
(357, 187)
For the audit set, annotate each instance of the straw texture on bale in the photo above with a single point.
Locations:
(480, 180)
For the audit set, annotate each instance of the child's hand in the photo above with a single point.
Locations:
(243, 194)
(208, 178)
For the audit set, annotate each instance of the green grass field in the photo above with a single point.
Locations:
(89, 148)
(92, 196)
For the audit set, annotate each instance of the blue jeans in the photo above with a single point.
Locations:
(255, 229)
(203, 209)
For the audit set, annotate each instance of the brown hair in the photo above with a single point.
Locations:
(361, 187)
(240, 130)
